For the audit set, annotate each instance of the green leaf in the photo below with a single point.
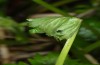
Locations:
(9, 64)
(9, 24)
(22, 63)
(58, 27)
(49, 59)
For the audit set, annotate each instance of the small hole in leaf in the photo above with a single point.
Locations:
(30, 28)
(59, 31)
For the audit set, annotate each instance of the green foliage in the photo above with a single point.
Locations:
(49, 59)
(21, 63)
(87, 40)
(9, 24)
(58, 27)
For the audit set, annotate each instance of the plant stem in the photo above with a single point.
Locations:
(65, 50)
(92, 47)
(59, 3)
(50, 7)
(62, 2)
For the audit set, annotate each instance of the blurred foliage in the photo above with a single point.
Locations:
(13, 14)
(49, 59)
(18, 30)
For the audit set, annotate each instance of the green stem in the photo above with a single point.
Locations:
(59, 3)
(92, 47)
(65, 50)
(62, 2)
(50, 7)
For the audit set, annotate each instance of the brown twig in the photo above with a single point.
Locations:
(87, 13)
(91, 59)
(27, 55)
